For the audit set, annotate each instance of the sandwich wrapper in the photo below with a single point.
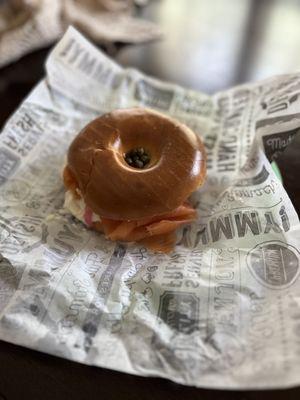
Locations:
(223, 309)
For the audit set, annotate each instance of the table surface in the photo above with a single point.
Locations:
(228, 43)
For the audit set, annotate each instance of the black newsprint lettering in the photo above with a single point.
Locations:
(67, 233)
(240, 191)
(55, 261)
(59, 254)
(220, 303)
(95, 312)
(226, 149)
(286, 93)
(87, 64)
(66, 324)
(227, 154)
(221, 289)
(241, 97)
(210, 143)
(278, 107)
(276, 120)
(62, 248)
(274, 263)
(273, 260)
(100, 72)
(280, 103)
(224, 296)
(202, 234)
(5, 228)
(24, 135)
(234, 120)
(222, 225)
(67, 48)
(278, 142)
(261, 177)
(92, 264)
(222, 107)
(72, 51)
(284, 219)
(37, 282)
(271, 224)
(9, 163)
(19, 232)
(179, 311)
(10, 247)
(106, 75)
(10, 273)
(261, 325)
(153, 96)
(239, 224)
(11, 139)
(226, 274)
(27, 123)
(247, 220)
(227, 167)
(195, 105)
(173, 275)
(78, 56)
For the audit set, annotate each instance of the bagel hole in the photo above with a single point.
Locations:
(137, 158)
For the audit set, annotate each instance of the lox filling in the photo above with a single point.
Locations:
(156, 233)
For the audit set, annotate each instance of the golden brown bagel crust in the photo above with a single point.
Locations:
(113, 189)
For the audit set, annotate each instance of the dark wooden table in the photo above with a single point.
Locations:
(209, 46)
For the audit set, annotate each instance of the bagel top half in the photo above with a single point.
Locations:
(136, 163)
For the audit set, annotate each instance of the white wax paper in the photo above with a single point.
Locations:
(223, 309)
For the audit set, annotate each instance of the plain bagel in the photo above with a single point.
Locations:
(98, 163)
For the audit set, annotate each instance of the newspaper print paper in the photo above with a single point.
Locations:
(222, 310)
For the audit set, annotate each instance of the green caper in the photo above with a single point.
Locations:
(137, 157)
(138, 164)
(145, 158)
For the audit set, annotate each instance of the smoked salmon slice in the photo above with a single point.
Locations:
(157, 233)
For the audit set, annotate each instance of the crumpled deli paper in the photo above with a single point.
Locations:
(27, 25)
(223, 309)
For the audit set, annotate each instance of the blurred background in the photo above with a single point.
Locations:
(213, 44)
(207, 45)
